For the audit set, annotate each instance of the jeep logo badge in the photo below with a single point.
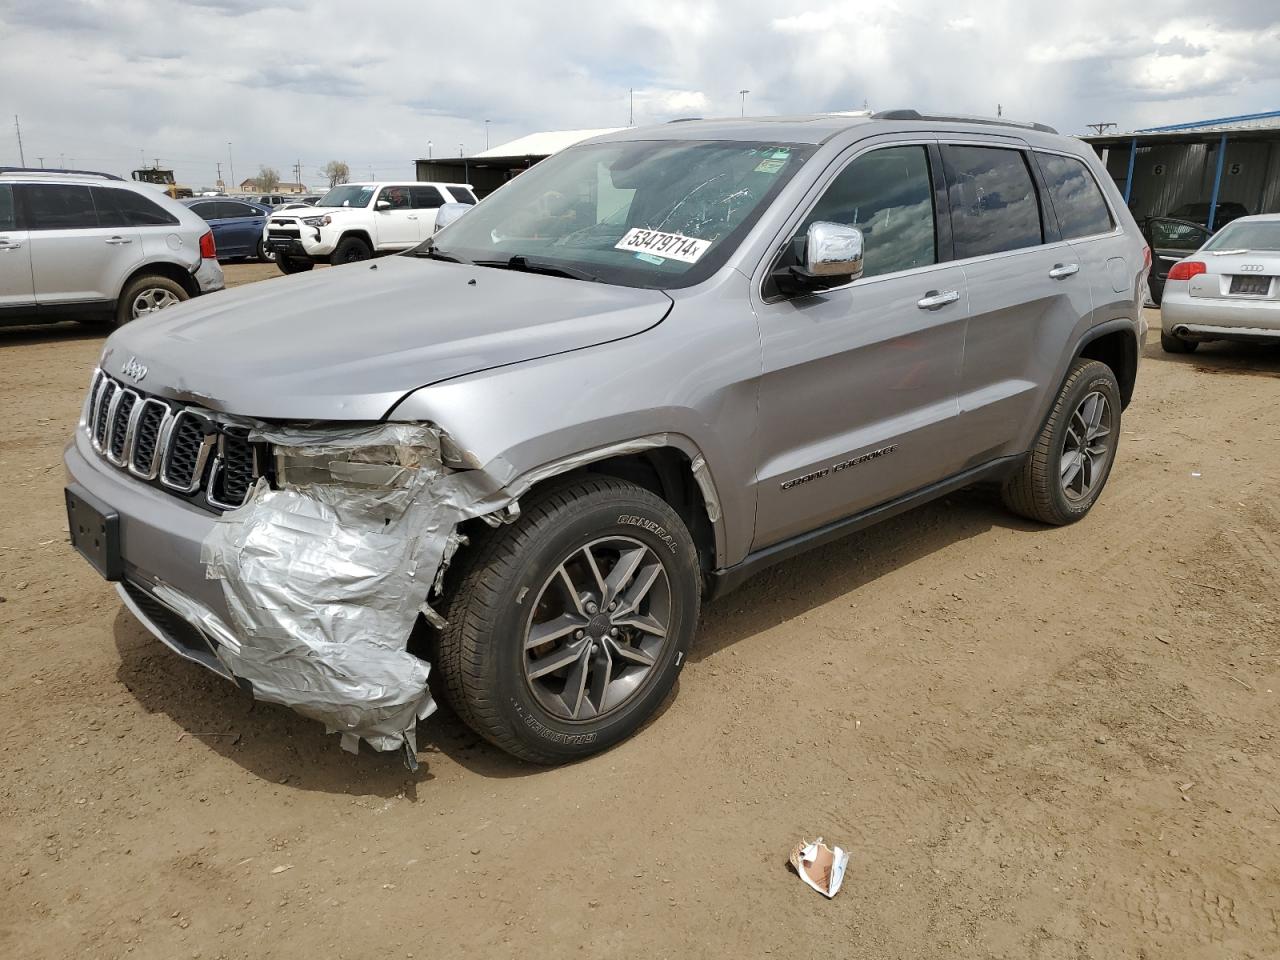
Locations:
(133, 370)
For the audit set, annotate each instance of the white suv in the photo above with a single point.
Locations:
(355, 221)
(76, 245)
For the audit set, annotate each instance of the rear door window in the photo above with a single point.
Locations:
(993, 200)
(232, 208)
(124, 208)
(888, 195)
(207, 210)
(59, 206)
(1081, 209)
(462, 195)
(426, 198)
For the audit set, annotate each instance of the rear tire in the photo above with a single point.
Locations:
(520, 582)
(1171, 344)
(350, 250)
(146, 295)
(1063, 475)
(293, 264)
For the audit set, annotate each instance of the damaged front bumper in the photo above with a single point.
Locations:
(306, 595)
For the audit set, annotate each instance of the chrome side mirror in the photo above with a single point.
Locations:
(833, 250)
(449, 212)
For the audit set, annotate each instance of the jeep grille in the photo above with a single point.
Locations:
(172, 446)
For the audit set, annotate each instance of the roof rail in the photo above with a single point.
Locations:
(960, 118)
(60, 170)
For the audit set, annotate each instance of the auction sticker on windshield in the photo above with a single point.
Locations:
(674, 246)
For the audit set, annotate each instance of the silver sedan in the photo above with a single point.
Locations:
(1229, 289)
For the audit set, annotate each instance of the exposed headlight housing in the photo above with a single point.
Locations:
(321, 221)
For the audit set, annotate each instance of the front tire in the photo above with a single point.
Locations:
(568, 628)
(265, 255)
(1063, 475)
(350, 250)
(146, 295)
(1171, 344)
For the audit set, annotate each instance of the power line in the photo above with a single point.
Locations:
(22, 157)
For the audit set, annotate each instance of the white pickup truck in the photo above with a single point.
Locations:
(356, 221)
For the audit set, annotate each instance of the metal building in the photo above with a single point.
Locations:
(489, 170)
(1233, 160)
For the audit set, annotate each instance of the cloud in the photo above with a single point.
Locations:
(319, 80)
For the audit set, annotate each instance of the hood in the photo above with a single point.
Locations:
(312, 211)
(347, 343)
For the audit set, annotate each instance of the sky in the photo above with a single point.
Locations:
(105, 84)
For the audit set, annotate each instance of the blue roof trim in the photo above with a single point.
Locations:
(1210, 123)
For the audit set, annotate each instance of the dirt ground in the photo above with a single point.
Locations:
(1036, 743)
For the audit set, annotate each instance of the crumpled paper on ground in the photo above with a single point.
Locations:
(819, 866)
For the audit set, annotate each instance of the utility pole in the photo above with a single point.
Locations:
(1099, 128)
(22, 157)
(297, 175)
(429, 146)
(231, 167)
(999, 111)
(631, 117)
(743, 95)
(219, 180)
(486, 134)
(41, 159)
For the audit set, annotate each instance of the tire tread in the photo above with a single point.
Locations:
(1028, 492)
(474, 602)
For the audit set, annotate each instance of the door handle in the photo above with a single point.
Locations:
(117, 241)
(10, 244)
(933, 299)
(413, 216)
(1061, 270)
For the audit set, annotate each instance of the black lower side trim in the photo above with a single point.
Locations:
(729, 578)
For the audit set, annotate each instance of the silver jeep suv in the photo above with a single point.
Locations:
(524, 452)
(77, 245)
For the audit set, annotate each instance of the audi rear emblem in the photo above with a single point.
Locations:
(1251, 268)
(133, 370)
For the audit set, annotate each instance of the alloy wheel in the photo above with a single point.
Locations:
(1087, 447)
(598, 629)
(151, 300)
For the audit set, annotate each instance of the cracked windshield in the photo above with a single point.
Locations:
(646, 213)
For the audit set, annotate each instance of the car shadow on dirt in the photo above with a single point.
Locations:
(21, 335)
(1240, 359)
(838, 569)
(278, 745)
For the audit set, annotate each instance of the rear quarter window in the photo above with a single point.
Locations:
(993, 200)
(1076, 198)
(8, 219)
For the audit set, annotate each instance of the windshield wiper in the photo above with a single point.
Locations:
(430, 251)
(525, 265)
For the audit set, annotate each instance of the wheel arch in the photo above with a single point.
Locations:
(1116, 345)
(357, 233)
(668, 465)
(163, 268)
